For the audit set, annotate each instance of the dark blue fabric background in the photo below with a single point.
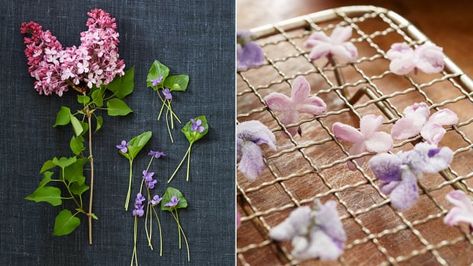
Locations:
(194, 37)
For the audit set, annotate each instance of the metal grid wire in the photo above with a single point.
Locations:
(266, 202)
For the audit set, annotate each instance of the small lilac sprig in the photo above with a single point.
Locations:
(149, 183)
(172, 201)
(165, 85)
(130, 150)
(194, 130)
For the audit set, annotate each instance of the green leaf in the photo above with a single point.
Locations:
(47, 165)
(63, 117)
(64, 162)
(99, 119)
(74, 173)
(83, 99)
(193, 136)
(77, 144)
(177, 82)
(51, 195)
(76, 125)
(124, 85)
(170, 192)
(97, 97)
(46, 179)
(85, 127)
(117, 107)
(78, 189)
(65, 223)
(136, 144)
(157, 71)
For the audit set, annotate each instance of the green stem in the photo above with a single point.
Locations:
(161, 111)
(183, 234)
(189, 162)
(170, 109)
(69, 190)
(127, 200)
(134, 255)
(148, 234)
(167, 125)
(160, 232)
(179, 165)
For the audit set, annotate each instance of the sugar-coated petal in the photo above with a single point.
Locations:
(288, 118)
(444, 117)
(341, 34)
(346, 132)
(321, 50)
(296, 224)
(407, 127)
(355, 149)
(462, 212)
(278, 102)
(398, 50)
(328, 219)
(321, 246)
(251, 161)
(430, 58)
(402, 66)
(249, 55)
(316, 38)
(344, 53)
(428, 158)
(379, 142)
(406, 192)
(300, 90)
(418, 109)
(386, 167)
(313, 105)
(256, 132)
(388, 187)
(369, 124)
(432, 133)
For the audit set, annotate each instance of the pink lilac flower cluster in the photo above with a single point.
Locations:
(94, 63)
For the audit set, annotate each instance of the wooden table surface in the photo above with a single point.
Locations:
(445, 26)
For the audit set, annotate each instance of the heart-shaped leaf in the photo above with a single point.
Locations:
(51, 195)
(65, 223)
(63, 117)
(136, 144)
(173, 192)
(117, 107)
(194, 135)
(124, 85)
(177, 82)
(157, 71)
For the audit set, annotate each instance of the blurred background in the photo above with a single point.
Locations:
(447, 23)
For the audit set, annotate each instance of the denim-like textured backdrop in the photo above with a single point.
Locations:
(194, 37)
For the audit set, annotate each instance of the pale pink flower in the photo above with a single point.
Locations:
(462, 212)
(368, 138)
(335, 46)
(428, 58)
(417, 119)
(300, 101)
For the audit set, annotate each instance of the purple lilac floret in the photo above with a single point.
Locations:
(156, 154)
(123, 146)
(156, 82)
(173, 202)
(138, 210)
(156, 200)
(197, 125)
(167, 94)
(249, 53)
(149, 180)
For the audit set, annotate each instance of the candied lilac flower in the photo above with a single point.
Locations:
(138, 208)
(398, 173)
(368, 138)
(249, 53)
(428, 58)
(335, 46)
(417, 119)
(315, 233)
(149, 180)
(156, 200)
(300, 102)
(123, 146)
(173, 202)
(156, 82)
(167, 94)
(197, 125)
(250, 135)
(462, 212)
(156, 154)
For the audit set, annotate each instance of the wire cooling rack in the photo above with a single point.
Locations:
(313, 165)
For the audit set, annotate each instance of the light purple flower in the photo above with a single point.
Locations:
(138, 208)
(300, 101)
(156, 200)
(249, 53)
(417, 119)
(398, 173)
(173, 202)
(336, 46)
(156, 154)
(315, 233)
(462, 212)
(428, 58)
(123, 146)
(368, 138)
(197, 125)
(167, 94)
(156, 82)
(250, 135)
(149, 180)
